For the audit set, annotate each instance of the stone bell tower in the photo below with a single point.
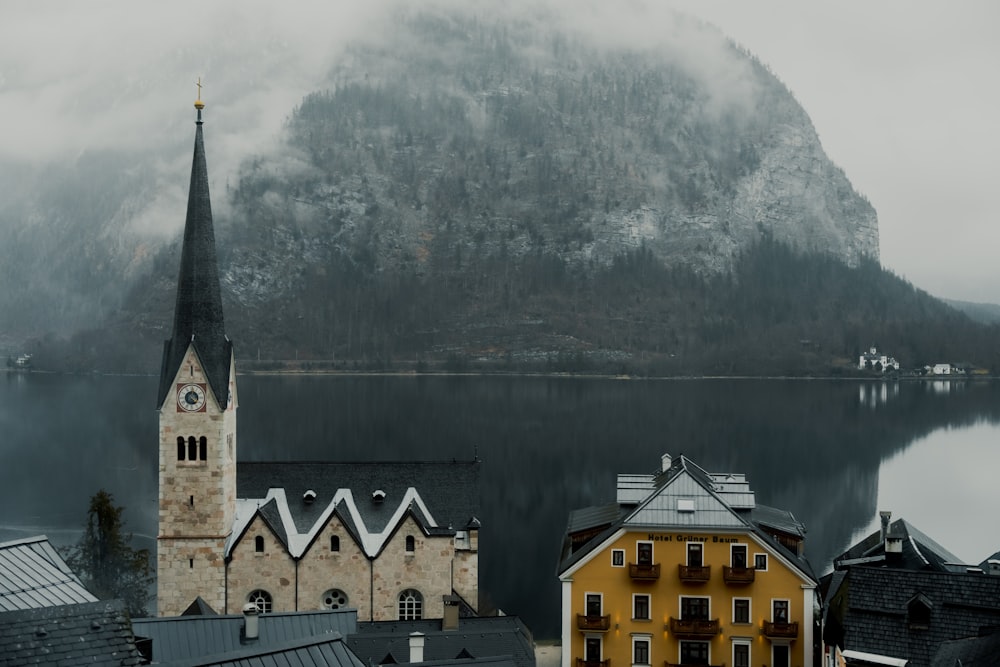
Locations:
(197, 405)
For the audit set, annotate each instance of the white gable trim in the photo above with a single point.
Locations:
(371, 542)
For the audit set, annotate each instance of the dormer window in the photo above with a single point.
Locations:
(378, 496)
(918, 612)
(685, 505)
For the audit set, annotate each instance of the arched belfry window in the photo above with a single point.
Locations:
(180, 448)
(258, 544)
(192, 449)
(202, 448)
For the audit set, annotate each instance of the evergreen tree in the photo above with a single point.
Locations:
(106, 562)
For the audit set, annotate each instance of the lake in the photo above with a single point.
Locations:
(832, 452)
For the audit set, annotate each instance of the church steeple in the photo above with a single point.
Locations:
(198, 318)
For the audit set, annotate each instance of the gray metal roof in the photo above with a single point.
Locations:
(32, 574)
(503, 638)
(633, 489)
(321, 651)
(92, 633)
(593, 517)
(662, 507)
(187, 637)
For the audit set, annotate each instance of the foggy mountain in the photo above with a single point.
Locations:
(467, 188)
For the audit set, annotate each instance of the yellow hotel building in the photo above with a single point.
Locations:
(686, 569)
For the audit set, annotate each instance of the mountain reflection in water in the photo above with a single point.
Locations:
(548, 445)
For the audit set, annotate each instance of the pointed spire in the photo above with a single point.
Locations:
(198, 317)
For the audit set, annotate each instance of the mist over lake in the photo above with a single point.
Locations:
(832, 452)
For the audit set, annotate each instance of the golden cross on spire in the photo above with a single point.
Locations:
(198, 104)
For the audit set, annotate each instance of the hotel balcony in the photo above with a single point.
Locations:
(644, 571)
(593, 623)
(738, 575)
(691, 629)
(580, 662)
(694, 574)
(667, 663)
(781, 630)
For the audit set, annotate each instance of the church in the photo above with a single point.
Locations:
(396, 541)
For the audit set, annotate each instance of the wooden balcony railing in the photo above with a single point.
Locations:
(781, 630)
(738, 575)
(593, 623)
(694, 574)
(644, 571)
(581, 662)
(683, 628)
(667, 663)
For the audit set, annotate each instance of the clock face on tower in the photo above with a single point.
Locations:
(191, 397)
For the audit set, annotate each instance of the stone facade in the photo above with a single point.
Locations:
(270, 569)
(348, 570)
(197, 495)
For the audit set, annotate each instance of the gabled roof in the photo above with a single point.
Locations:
(198, 318)
(919, 552)
(483, 638)
(33, 574)
(877, 600)
(682, 496)
(442, 497)
(320, 651)
(179, 638)
(92, 633)
(969, 652)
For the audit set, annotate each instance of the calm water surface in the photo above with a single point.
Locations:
(832, 452)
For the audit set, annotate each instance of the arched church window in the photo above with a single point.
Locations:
(260, 599)
(192, 449)
(334, 599)
(410, 544)
(334, 543)
(411, 605)
(202, 448)
(180, 448)
(258, 544)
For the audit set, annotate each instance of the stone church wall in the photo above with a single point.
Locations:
(427, 569)
(347, 570)
(272, 570)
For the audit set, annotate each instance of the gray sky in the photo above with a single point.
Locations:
(900, 93)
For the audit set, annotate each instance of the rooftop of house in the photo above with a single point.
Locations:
(327, 650)
(180, 638)
(33, 574)
(681, 495)
(916, 551)
(475, 639)
(296, 499)
(909, 613)
(90, 633)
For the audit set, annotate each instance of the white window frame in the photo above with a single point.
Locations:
(749, 620)
(694, 641)
(759, 569)
(586, 595)
(648, 639)
(649, 606)
(786, 600)
(732, 547)
(652, 551)
(743, 642)
(613, 553)
(680, 604)
(600, 643)
(687, 553)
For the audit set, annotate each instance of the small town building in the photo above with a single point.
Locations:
(898, 597)
(392, 540)
(685, 568)
(873, 361)
(33, 574)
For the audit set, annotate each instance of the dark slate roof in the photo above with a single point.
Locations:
(321, 651)
(92, 633)
(186, 637)
(876, 621)
(777, 519)
(487, 637)
(449, 489)
(589, 518)
(32, 574)
(970, 652)
(198, 315)
(919, 551)
(199, 608)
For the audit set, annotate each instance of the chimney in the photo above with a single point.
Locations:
(251, 621)
(665, 462)
(450, 620)
(885, 516)
(416, 647)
